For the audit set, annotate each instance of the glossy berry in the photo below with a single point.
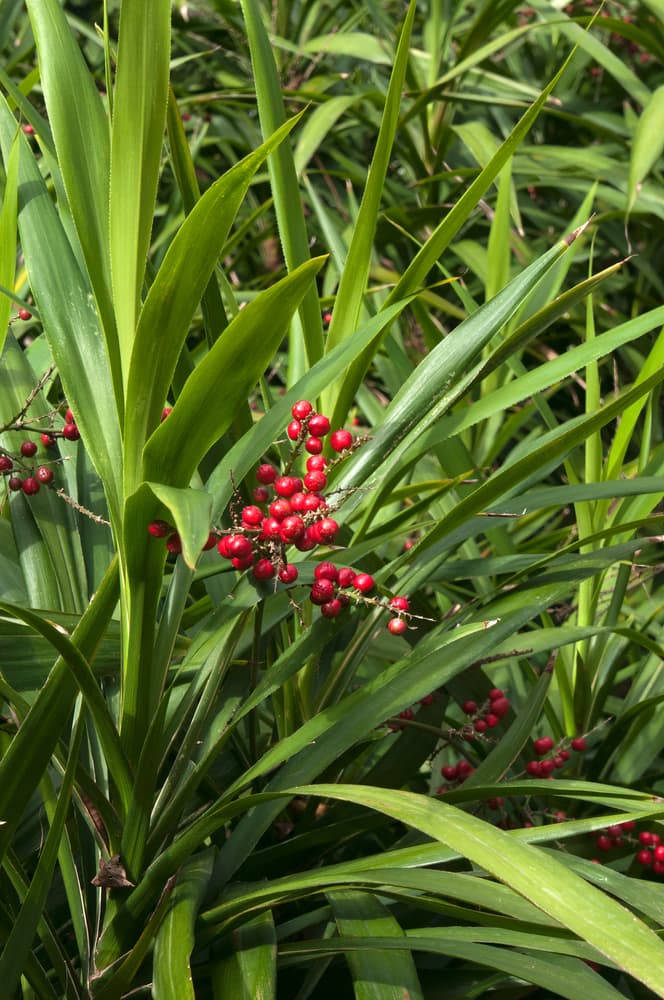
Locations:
(579, 744)
(288, 573)
(645, 837)
(644, 857)
(69, 417)
(44, 475)
(252, 516)
(542, 745)
(318, 425)
(71, 432)
(399, 603)
(322, 591)
(242, 562)
(313, 445)
(292, 528)
(270, 528)
(174, 544)
(346, 576)
(48, 440)
(261, 494)
(491, 719)
(604, 842)
(340, 440)
(5, 463)
(30, 485)
(263, 570)
(166, 412)
(286, 486)
(397, 626)
(239, 546)
(364, 583)
(14, 483)
(449, 772)
(301, 409)
(500, 707)
(24, 314)
(280, 509)
(495, 693)
(469, 707)
(28, 449)
(658, 853)
(326, 571)
(294, 430)
(327, 531)
(315, 481)
(331, 609)
(316, 463)
(266, 474)
(533, 768)
(211, 541)
(481, 726)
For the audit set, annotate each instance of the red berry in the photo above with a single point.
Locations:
(399, 603)
(252, 516)
(30, 485)
(318, 425)
(564, 754)
(313, 445)
(261, 494)
(222, 546)
(280, 509)
(628, 825)
(500, 707)
(491, 719)
(288, 573)
(298, 502)
(645, 837)
(286, 486)
(469, 707)
(28, 129)
(322, 591)
(28, 449)
(397, 626)
(326, 571)
(44, 475)
(239, 546)
(166, 412)
(316, 463)
(5, 463)
(315, 481)
(294, 430)
(604, 842)
(346, 576)
(71, 432)
(263, 570)
(644, 857)
(242, 562)
(69, 417)
(656, 839)
(14, 484)
(658, 868)
(266, 474)
(558, 762)
(481, 726)
(48, 440)
(340, 440)
(427, 700)
(211, 541)
(364, 583)
(533, 768)
(659, 852)
(174, 543)
(542, 745)
(546, 767)
(24, 314)
(292, 528)
(496, 693)
(449, 772)
(312, 502)
(579, 744)
(464, 768)
(301, 409)
(331, 609)
(327, 530)
(308, 541)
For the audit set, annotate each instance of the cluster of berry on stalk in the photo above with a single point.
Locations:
(20, 472)
(291, 511)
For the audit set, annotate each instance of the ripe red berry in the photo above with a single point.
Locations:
(263, 570)
(491, 719)
(469, 707)
(500, 707)
(340, 440)
(542, 745)
(28, 449)
(28, 129)
(14, 483)
(24, 314)
(308, 541)
(331, 609)
(495, 693)
(292, 528)
(316, 463)
(312, 502)
(399, 603)
(397, 626)
(5, 463)
(658, 853)
(546, 766)
(222, 546)
(211, 541)
(242, 562)
(266, 474)
(48, 440)
(252, 516)
(427, 700)
(558, 762)
(326, 571)
(239, 546)
(44, 475)
(533, 768)
(322, 591)
(69, 417)
(346, 576)
(604, 842)
(364, 583)
(280, 509)
(327, 530)
(261, 494)
(294, 430)
(30, 485)
(644, 857)
(301, 409)
(449, 772)
(481, 726)
(645, 837)
(318, 425)
(71, 432)
(464, 768)
(286, 486)
(658, 867)
(313, 445)
(174, 543)
(166, 412)
(579, 744)
(288, 573)
(315, 481)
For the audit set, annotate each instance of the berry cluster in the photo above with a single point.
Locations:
(20, 472)
(290, 510)
(552, 757)
(489, 714)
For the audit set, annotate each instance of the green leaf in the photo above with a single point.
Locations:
(190, 510)
(647, 145)
(139, 117)
(175, 938)
(249, 972)
(8, 216)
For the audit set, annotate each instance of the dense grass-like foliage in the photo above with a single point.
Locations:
(441, 224)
